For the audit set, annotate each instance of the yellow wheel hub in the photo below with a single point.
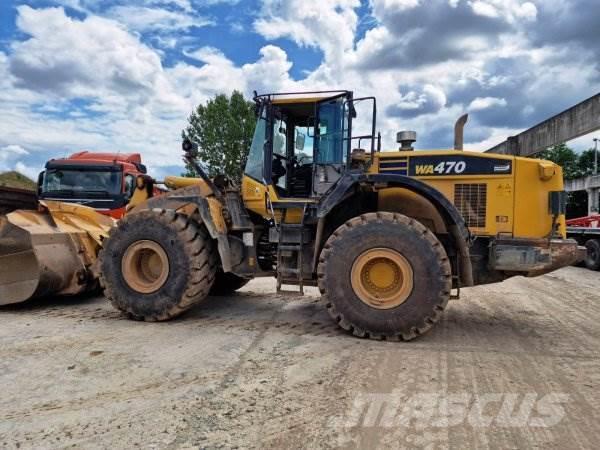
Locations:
(382, 278)
(145, 266)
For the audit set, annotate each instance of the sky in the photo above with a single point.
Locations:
(124, 75)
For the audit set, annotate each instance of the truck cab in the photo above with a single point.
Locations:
(103, 181)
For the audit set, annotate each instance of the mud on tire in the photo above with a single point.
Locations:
(431, 276)
(191, 260)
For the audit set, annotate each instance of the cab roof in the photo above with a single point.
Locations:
(300, 97)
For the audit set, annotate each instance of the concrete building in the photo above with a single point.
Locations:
(591, 184)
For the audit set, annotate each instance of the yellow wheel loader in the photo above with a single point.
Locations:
(51, 247)
(48, 251)
(387, 236)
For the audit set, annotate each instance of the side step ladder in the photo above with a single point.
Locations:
(290, 275)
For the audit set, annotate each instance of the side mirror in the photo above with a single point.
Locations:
(40, 181)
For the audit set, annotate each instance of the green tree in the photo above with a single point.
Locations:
(585, 163)
(223, 129)
(574, 166)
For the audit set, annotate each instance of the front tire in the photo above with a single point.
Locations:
(157, 264)
(384, 276)
(592, 259)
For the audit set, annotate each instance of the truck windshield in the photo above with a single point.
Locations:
(76, 181)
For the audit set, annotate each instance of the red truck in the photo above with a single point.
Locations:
(586, 231)
(103, 181)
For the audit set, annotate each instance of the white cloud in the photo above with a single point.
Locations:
(131, 101)
(510, 10)
(135, 103)
(481, 103)
(428, 100)
(270, 73)
(12, 150)
(395, 4)
(485, 9)
(140, 18)
(328, 25)
(10, 156)
(81, 58)
(27, 170)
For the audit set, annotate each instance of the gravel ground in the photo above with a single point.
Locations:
(511, 365)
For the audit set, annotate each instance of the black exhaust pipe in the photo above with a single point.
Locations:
(459, 129)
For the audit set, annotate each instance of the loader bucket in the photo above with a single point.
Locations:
(50, 252)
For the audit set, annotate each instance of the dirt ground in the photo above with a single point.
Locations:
(511, 365)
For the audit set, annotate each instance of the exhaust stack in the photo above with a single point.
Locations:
(459, 129)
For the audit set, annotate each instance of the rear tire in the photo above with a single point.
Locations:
(592, 259)
(419, 291)
(227, 283)
(157, 264)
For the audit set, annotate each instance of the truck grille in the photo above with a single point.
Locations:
(471, 202)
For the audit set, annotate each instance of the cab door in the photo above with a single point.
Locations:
(254, 189)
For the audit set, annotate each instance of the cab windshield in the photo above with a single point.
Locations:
(68, 181)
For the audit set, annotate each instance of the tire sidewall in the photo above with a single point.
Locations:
(146, 226)
(429, 276)
(593, 245)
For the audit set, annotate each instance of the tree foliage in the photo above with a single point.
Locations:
(223, 129)
(574, 166)
(585, 162)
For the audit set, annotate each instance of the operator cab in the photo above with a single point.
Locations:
(302, 142)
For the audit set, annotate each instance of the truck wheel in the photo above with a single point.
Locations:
(227, 283)
(156, 264)
(592, 259)
(384, 276)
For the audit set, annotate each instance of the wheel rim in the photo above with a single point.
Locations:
(145, 266)
(382, 278)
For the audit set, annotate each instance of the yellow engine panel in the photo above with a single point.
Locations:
(495, 194)
(533, 183)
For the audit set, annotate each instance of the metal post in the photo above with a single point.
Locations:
(596, 156)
